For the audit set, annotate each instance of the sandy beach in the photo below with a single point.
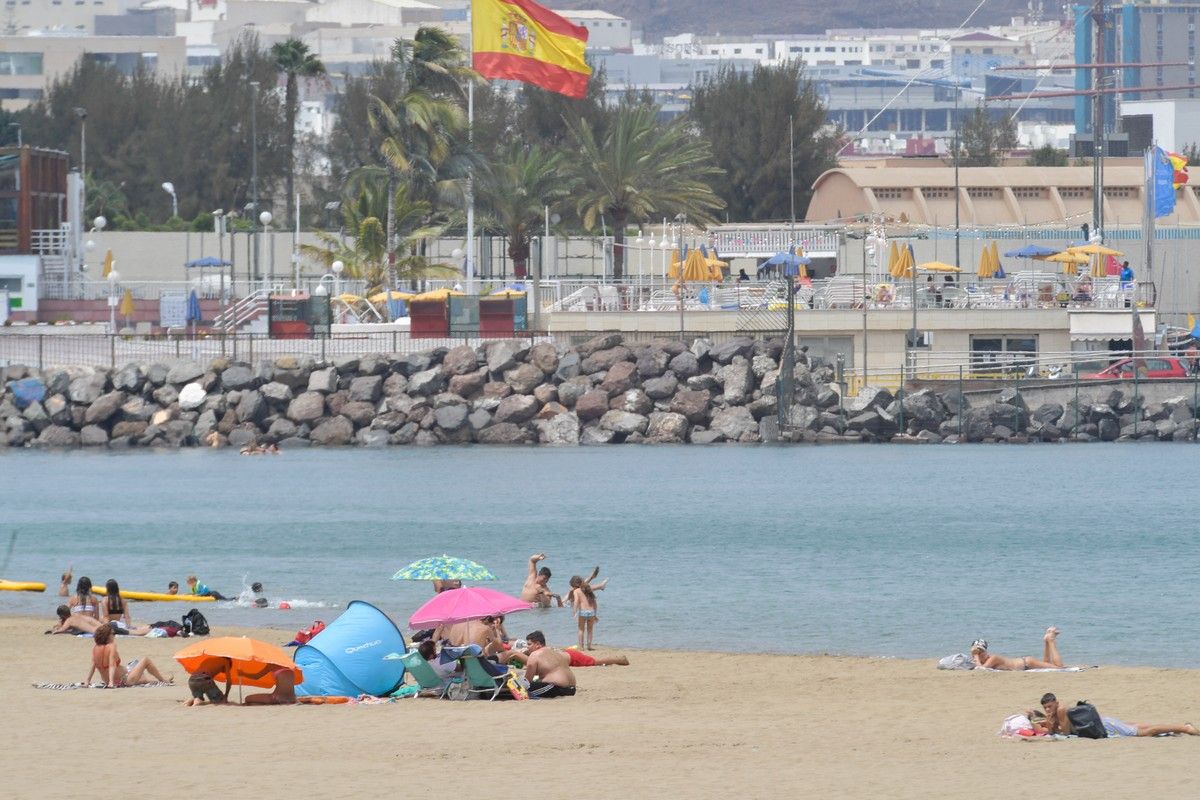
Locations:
(694, 725)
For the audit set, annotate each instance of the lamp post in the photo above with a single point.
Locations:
(265, 218)
(337, 268)
(114, 287)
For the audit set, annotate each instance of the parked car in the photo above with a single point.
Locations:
(1154, 367)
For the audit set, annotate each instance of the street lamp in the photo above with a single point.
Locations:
(337, 268)
(99, 223)
(265, 219)
(169, 188)
(114, 281)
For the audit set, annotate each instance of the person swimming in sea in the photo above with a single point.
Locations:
(1050, 657)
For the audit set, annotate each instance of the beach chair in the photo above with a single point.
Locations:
(479, 681)
(421, 672)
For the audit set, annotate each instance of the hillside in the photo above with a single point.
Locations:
(742, 17)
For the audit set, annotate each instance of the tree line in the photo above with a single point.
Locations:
(400, 155)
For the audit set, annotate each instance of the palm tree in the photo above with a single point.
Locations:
(366, 256)
(516, 188)
(639, 168)
(294, 60)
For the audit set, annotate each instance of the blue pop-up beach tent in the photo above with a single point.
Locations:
(346, 659)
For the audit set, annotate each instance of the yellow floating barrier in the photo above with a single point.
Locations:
(161, 597)
(21, 586)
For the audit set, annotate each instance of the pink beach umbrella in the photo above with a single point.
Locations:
(460, 605)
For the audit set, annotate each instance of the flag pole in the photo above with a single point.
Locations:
(470, 248)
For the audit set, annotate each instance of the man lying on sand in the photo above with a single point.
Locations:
(1050, 657)
(1057, 721)
(548, 671)
(75, 624)
(577, 658)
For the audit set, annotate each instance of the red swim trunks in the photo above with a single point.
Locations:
(580, 658)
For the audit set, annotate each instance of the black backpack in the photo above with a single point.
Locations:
(1086, 722)
(194, 624)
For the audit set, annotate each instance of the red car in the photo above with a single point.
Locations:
(1154, 367)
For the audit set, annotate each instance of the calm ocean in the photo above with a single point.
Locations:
(867, 550)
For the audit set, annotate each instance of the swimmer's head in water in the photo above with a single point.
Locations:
(172, 587)
(544, 575)
(256, 587)
(576, 581)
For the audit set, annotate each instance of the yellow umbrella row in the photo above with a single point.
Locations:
(438, 294)
(382, 297)
(695, 268)
(126, 309)
(1098, 252)
(904, 264)
(1069, 260)
(989, 261)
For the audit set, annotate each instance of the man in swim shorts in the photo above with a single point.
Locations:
(1050, 657)
(537, 589)
(548, 671)
(577, 658)
(1057, 721)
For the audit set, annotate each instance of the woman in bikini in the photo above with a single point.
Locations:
(582, 598)
(1050, 657)
(107, 661)
(116, 608)
(83, 601)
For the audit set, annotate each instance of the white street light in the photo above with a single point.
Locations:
(321, 291)
(169, 188)
(90, 245)
(337, 267)
(114, 279)
(99, 222)
(265, 218)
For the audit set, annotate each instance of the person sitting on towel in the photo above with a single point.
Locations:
(284, 693)
(1057, 721)
(1050, 657)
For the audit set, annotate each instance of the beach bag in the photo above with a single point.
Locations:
(1086, 722)
(303, 637)
(194, 624)
(956, 661)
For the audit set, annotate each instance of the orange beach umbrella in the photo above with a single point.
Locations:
(248, 657)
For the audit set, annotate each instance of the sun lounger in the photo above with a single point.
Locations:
(421, 672)
(480, 681)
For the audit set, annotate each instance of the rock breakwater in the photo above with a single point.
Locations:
(604, 391)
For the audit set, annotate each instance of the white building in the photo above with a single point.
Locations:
(605, 31)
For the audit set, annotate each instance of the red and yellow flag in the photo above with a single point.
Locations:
(518, 40)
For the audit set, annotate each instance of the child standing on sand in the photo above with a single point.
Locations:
(582, 598)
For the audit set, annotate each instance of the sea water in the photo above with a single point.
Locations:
(885, 550)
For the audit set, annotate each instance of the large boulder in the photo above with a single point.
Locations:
(503, 355)
(761, 365)
(620, 378)
(692, 404)
(593, 404)
(623, 422)
(737, 378)
(239, 376)
(568, 366)
(544, 356)
(684, 365)
(1048, 414)
(252, 407)
(976, 424)
(137, 409)
(603, 360)
(359, 412)
(467, 385)
(869, 397)
(635, 401)
(652, 362)
(739, 346)
(395, 384)
(308, 407)
(104, 408)
(366, 389)
(57, 436)
(516, 408)
(182, 372)
(922, 411)
(333, 431)
(56, 408)
(373, 364)
(450, 418)
(324, 380)
(570, 390)
(502, 433)
(524, 378)
(166, 395)
(192, 396)
(93, 436)
(276, 392)
(546, 393)
(128, 378)
(427, 383)
(662, 387)
(735, 423)
(667, 426)
(84, 390)
(460, 360)
(561, 429)
(605, 341)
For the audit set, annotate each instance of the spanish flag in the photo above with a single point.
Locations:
(518, 40)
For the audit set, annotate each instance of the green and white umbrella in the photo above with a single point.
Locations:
(444, 568)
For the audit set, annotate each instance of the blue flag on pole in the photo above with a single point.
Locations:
(1164, 184)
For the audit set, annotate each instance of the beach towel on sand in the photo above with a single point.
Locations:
(964, 661)
(63, 687)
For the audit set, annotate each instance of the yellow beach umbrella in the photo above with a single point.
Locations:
(1095, 250)
(382, 297)
(995, 258)
(714, 267)
(1069, 260)
(986, 268)
(904, 264)
(893, 257)
(126, 309)
(437, 294)
(108, 264)
(673, 270)
(1098, 266)
(349, 299)
(937, 266)
(695, 267)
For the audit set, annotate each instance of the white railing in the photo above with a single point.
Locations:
(49, 241)
(245, 310)
(757, 240)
